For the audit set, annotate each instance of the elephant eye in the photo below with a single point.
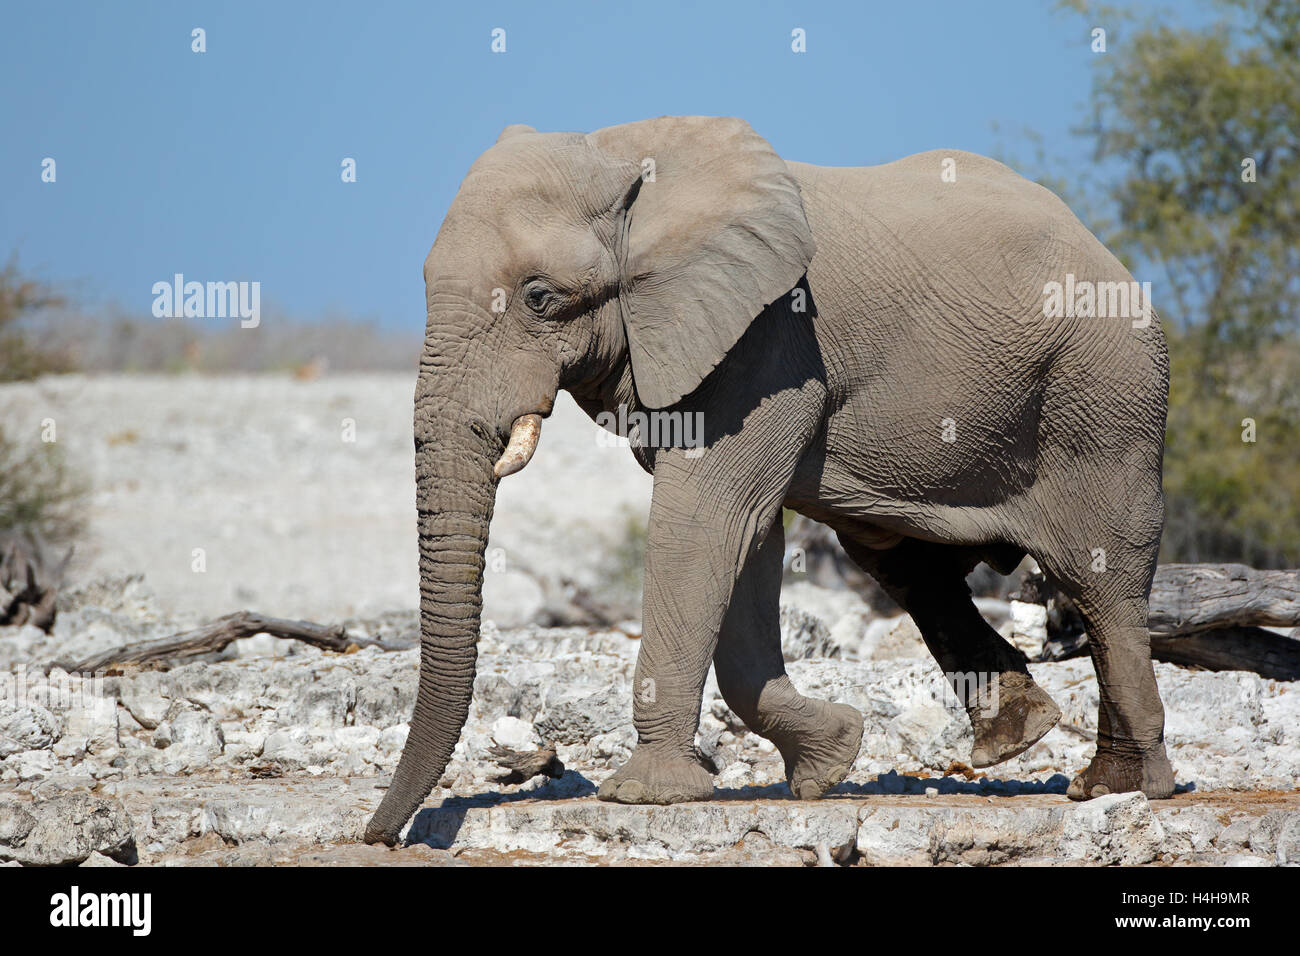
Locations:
(537, 297)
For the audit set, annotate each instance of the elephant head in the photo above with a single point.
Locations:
(636, 254)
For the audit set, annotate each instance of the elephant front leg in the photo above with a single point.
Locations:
(707, 516)
(818, 740)
(665, 766)
(673, 662)
(691, 566)
(676, 644)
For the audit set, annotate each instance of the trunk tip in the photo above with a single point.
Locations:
(376, 833)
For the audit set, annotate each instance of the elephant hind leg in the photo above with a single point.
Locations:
(1110, 588)
(1008, 711)
(818, 740)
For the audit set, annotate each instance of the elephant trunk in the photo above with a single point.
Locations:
(456, 475)
(455, 491)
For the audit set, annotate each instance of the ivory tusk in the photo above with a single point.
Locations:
(523, 442)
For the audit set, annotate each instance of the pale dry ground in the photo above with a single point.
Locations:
(278, 754)
(293, 520)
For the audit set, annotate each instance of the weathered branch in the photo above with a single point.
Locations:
(214, 637)
(30, 576)
(1232, 649)
(522, 765)
(567, 604)
(1186, 598)
(1202, 615)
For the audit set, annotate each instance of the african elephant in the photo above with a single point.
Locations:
(870, 347)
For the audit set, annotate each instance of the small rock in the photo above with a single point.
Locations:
(26, 728)
(98, 859)
(735, 775)
(67, 830)
(804, 636)
(15, 824)
(191, 735)
(901, 639)
(514, 733)
(1117, 828)
(617, 744)
(92, 722)
(144, 697)
(577, 716)
(1277, 833)
(1028, 627)
(32, 764)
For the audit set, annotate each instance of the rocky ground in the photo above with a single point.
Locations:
(275, 752)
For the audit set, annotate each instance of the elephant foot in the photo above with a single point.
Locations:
(1023, 714)
(1113, 771)
(656, 777)
(820, 757)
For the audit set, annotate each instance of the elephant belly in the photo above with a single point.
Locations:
(942, 465)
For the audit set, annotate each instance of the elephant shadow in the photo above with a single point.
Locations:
(896, 784)
(439, 826)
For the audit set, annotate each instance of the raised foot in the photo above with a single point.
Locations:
(821, 756)
(650, 777)
(1125, 772)
(1020, 716)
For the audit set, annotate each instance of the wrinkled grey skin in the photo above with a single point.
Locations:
(867, 347)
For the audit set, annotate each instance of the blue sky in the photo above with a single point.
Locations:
(225, 165)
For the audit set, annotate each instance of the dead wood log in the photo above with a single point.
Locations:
(214, 637)
(1186, 598)
(1225, 649)
(1210, 616)
(1232, 649)
(575, 606)
(566, 603)
(30, 576)
(522, 765)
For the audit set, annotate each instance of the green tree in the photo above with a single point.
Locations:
(40, 496)
(1195, 134)
(20, 298)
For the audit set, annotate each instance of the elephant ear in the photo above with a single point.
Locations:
(714, 233)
